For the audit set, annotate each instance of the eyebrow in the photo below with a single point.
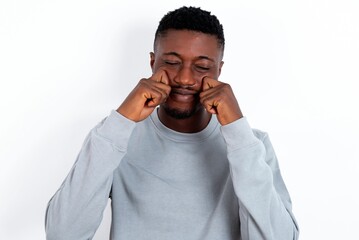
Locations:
(178, 55)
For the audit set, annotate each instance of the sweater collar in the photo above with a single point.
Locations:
(184, 137)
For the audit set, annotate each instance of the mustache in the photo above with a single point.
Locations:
(190, 89)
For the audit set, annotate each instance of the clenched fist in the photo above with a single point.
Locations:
(218, 98)
(144, 98)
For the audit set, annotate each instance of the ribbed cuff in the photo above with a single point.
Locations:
(238, 134)
(117, 129)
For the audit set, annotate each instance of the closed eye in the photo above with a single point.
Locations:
(171, 63)
(201, 68)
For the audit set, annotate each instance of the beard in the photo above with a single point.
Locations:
(180, 113)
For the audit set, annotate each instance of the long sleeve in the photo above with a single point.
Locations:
(76, 209)
(264, 202)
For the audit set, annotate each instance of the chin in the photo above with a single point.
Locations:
(180, 113)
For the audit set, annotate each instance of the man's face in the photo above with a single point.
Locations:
(187, 57)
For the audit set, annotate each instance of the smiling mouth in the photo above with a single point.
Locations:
(183, 91)
(183, 95)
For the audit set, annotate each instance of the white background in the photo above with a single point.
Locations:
(292, 64)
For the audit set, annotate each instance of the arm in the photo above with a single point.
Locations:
(264, 202)
(76, 210)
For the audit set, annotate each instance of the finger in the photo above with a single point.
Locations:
(160, 76)
(155, 97)
(210, 103)
(161, 88)
(208, 83)
(156, 92)
(164, 78)
(210, 108)
(211, 97)
(210, 88)
(148, 85)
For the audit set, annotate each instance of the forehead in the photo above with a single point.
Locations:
(188, 43)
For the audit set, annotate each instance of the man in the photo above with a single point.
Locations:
(191, 168)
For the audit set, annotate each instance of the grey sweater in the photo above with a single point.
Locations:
(221, 183)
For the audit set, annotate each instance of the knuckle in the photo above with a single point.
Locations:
(227, 86)
(167, 88)
(163, 94)
(143, 82)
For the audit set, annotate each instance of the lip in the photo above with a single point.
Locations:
(183, 95)
(183, 91)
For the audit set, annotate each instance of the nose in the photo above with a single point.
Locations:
(185, 77)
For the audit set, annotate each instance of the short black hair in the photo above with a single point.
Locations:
(193, 19)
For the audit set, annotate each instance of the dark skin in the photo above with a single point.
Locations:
(186, 66)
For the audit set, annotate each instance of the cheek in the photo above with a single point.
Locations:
(171, 72)
(155, 66)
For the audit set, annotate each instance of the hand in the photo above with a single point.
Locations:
(144, 98)
(218, 98)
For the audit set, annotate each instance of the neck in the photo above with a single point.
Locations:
(196, 123)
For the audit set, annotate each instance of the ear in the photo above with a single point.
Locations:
(152, 60)
(220, 68)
